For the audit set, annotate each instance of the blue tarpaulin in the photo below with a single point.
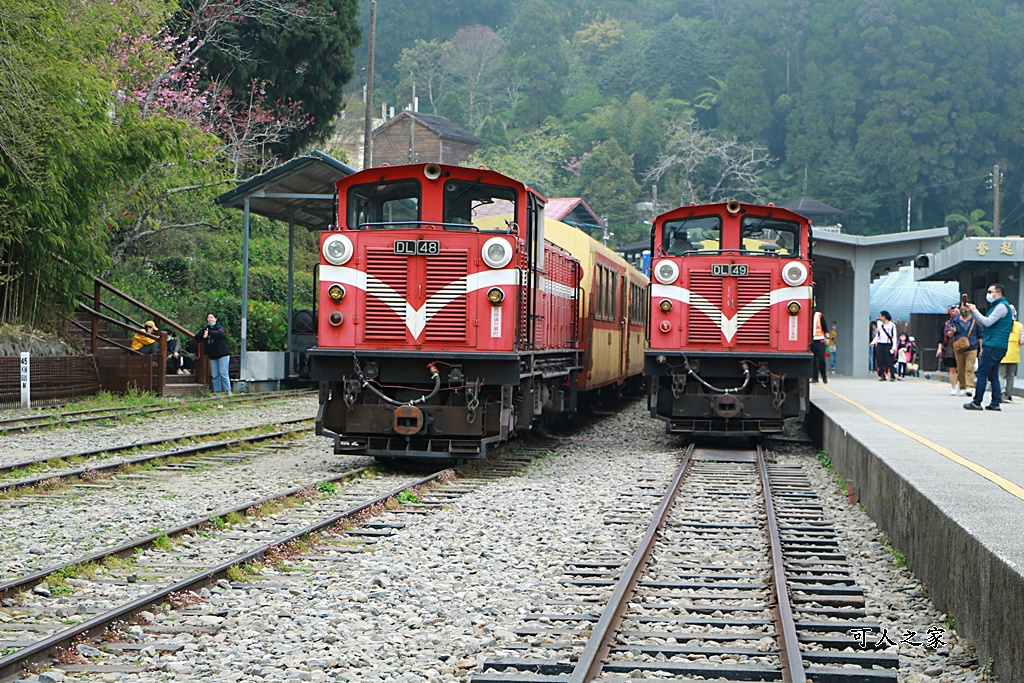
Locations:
(901, 295)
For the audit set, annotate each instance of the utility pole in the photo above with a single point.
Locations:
(412, 125)
(995, 196)
(368, 116)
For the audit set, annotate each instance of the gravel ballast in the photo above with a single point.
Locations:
(435, 600)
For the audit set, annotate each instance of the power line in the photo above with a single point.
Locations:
(902, 192)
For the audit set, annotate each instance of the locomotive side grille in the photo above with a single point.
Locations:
(756, 328)
(393, 271)
(446, 296)
(702, 329)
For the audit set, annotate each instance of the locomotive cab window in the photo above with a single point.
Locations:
(762, 235)
(384, 205)
(691, 235)
(472, 203)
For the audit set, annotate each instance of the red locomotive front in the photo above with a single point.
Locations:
(438, 296)
(730, 318)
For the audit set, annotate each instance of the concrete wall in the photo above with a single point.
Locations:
(963, 577)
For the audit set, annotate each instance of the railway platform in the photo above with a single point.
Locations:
(947, 486)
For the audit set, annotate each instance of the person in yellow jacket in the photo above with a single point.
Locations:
(146, 343)
(1009, 363)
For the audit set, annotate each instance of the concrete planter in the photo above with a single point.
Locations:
(263, 365)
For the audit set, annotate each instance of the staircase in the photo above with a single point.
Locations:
(101, 329)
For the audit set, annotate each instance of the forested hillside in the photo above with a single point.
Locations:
(866, 103)
(120, 123)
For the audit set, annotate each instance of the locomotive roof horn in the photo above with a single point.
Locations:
(432, 171)
(732, 206)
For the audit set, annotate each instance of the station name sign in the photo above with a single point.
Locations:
(998, 248)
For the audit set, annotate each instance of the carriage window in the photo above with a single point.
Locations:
(472, 203)
(762, 235)
(637, 304)
(604, 293)
(384, 204)
(691, 235)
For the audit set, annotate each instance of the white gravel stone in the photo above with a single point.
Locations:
(432, 602)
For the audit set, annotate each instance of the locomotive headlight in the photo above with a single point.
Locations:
(793, 307)
(337, 249)
(495, 295)
(497, 252)
(794, 274)
(665, 305)
(666, 272)
(336, 318)
(336, 292)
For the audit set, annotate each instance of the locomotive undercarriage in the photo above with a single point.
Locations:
(719, 394)
(437, 405)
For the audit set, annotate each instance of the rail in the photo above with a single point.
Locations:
(595, 653)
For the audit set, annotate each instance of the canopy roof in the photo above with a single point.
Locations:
(301, 190)
(805, 206)
(901, 295)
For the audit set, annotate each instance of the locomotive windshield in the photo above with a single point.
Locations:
(468, 202)
(765, 235)
(384, 204)
(691, 235)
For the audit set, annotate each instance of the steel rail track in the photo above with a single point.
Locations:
(122, 550)
(39, 653)
(808, 579)
(501, 465)
(116, 464)
(790, 659)
(26, 423)
(607, 628)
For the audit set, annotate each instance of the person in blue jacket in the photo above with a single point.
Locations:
(998, 324)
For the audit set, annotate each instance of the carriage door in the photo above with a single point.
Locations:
(622, 316)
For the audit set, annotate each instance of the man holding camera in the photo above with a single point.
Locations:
(998, 324)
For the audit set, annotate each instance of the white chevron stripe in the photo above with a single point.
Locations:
(729, 326)
(416, 319)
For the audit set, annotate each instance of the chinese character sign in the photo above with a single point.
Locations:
(26, 381)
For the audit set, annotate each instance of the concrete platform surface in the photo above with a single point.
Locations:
(947, 485)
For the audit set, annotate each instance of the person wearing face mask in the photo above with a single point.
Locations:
(964, 327)
(998, 324)
(945, 350)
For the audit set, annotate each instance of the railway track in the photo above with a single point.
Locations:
(171, 567)
(25, 423)
(45, 476)
(737, 576)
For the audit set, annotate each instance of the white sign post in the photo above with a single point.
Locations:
(26, 381)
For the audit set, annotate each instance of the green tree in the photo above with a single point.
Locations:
(66, 140)
(298, 55)
(423, 72)
(970, 225)
(536, 158)
(538, 60)
(605, 179)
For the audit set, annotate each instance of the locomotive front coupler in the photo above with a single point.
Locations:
(710, 387)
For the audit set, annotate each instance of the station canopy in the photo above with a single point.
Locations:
(300, 191)
(901, 295)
